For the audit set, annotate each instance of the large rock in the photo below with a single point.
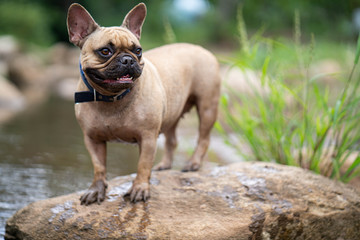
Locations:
(238, 201)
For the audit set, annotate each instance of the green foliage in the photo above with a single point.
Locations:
(28, 22)
(292, 119)
(323, 17)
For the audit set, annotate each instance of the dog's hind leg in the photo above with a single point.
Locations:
(207, 112)
(170, 146)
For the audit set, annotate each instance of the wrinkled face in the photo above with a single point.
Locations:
(111, 59)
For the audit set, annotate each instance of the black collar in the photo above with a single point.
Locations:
(92, 95)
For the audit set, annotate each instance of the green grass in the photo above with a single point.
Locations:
(299, 120)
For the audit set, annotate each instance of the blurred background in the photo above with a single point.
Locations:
(41, 147)
(201, 21)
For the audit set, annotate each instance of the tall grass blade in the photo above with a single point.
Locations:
(169, 35)
(353, 166)
(244, 41)
(357, 55)
(264, 70)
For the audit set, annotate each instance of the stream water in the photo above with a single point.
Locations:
(42, 155)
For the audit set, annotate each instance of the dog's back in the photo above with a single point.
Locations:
(196, 62)
(188, 72)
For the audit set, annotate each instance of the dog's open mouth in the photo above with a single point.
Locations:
(123, 79)
(113, 81)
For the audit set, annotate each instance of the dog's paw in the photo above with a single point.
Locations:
(191, 167)
(139, 192)
(161, 166)
(96, 193)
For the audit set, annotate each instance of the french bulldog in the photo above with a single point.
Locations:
(127, 95)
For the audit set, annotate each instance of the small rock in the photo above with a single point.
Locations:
(11, 100)
(242, 81)
(57, 72)
(8, 46)
(10, 97)
(26, 70)
(66, 88)
(326, 71)
(63, 54)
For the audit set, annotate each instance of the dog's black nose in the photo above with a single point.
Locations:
(127, 61)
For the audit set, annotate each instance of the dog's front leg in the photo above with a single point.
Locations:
(140, 189)
(97, 190)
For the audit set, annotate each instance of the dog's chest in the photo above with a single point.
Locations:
(105, 124)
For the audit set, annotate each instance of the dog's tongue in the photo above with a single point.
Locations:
(123, 79)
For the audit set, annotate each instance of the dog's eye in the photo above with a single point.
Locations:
(105, 52)
(138, 51)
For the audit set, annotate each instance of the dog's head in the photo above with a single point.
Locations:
(111, 57)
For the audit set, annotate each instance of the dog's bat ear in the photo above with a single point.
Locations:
(135, 19)
(80, 24)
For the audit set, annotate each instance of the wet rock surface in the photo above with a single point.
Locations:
(237, 201)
